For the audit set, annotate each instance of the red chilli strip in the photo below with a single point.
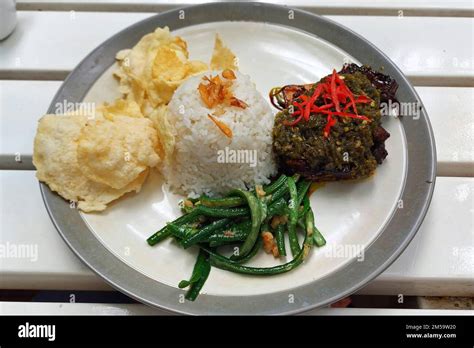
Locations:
(327, 96)
(363, 98)
(297, 104)
(359, 100)
(347, 91)
(326, 87)
(300, 106)
(342, 97)
(300, 109)
(342, 94)
(304, 100)
(312, 100)
(353, 104)
(315, 108)
(293, 123)
(296, 113)
(329, 123)
(303, 97)
(333, 91)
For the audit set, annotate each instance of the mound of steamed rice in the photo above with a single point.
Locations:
(205, 160)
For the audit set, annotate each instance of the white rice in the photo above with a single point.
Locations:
(196, 166)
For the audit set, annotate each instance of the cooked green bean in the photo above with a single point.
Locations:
(276, 208)
(205, 232)
(186, 210)
(241, 230)
(293, 217)
(181, 232)
(193, 292)
(226, 264)
(165, 231)
(204, 270)
(294, 243)
(256, 248)
(241, 217)
(157, 237)
(223, 212)
(306, 206)
(218, 243)
(226, 202)
(280, 239)
(236, 201)
(317, 236)
(303, 188)
(256, 218)
(281, 181)
(263, 209)
(281, 192)
(237, 232)
(252, 253)
(197, 270)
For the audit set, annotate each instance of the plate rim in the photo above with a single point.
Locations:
(420, 169)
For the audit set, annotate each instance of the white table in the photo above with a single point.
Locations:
(431, 41)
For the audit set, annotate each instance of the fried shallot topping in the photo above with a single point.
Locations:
(215, 91)
(222, 126)
(269, 244)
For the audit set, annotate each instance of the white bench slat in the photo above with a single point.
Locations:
(451, 110)
(437, 262)
(46, 45)
(65, 308)
(356, 7)
(24, 221)
(22, 103)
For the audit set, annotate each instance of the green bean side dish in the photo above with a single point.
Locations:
(241, 219)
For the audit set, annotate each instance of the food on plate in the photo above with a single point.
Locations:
(247, 174)
(222, 57)
(95, 159)
(331, 130)
(166, 141)
(55, 159)
(150, 72)
(110, 153)
(222, 130)
(385, 84)
(257, 218)
(115, 152)
(119, 107)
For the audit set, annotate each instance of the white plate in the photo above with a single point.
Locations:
(349, 214)
(294, 48)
